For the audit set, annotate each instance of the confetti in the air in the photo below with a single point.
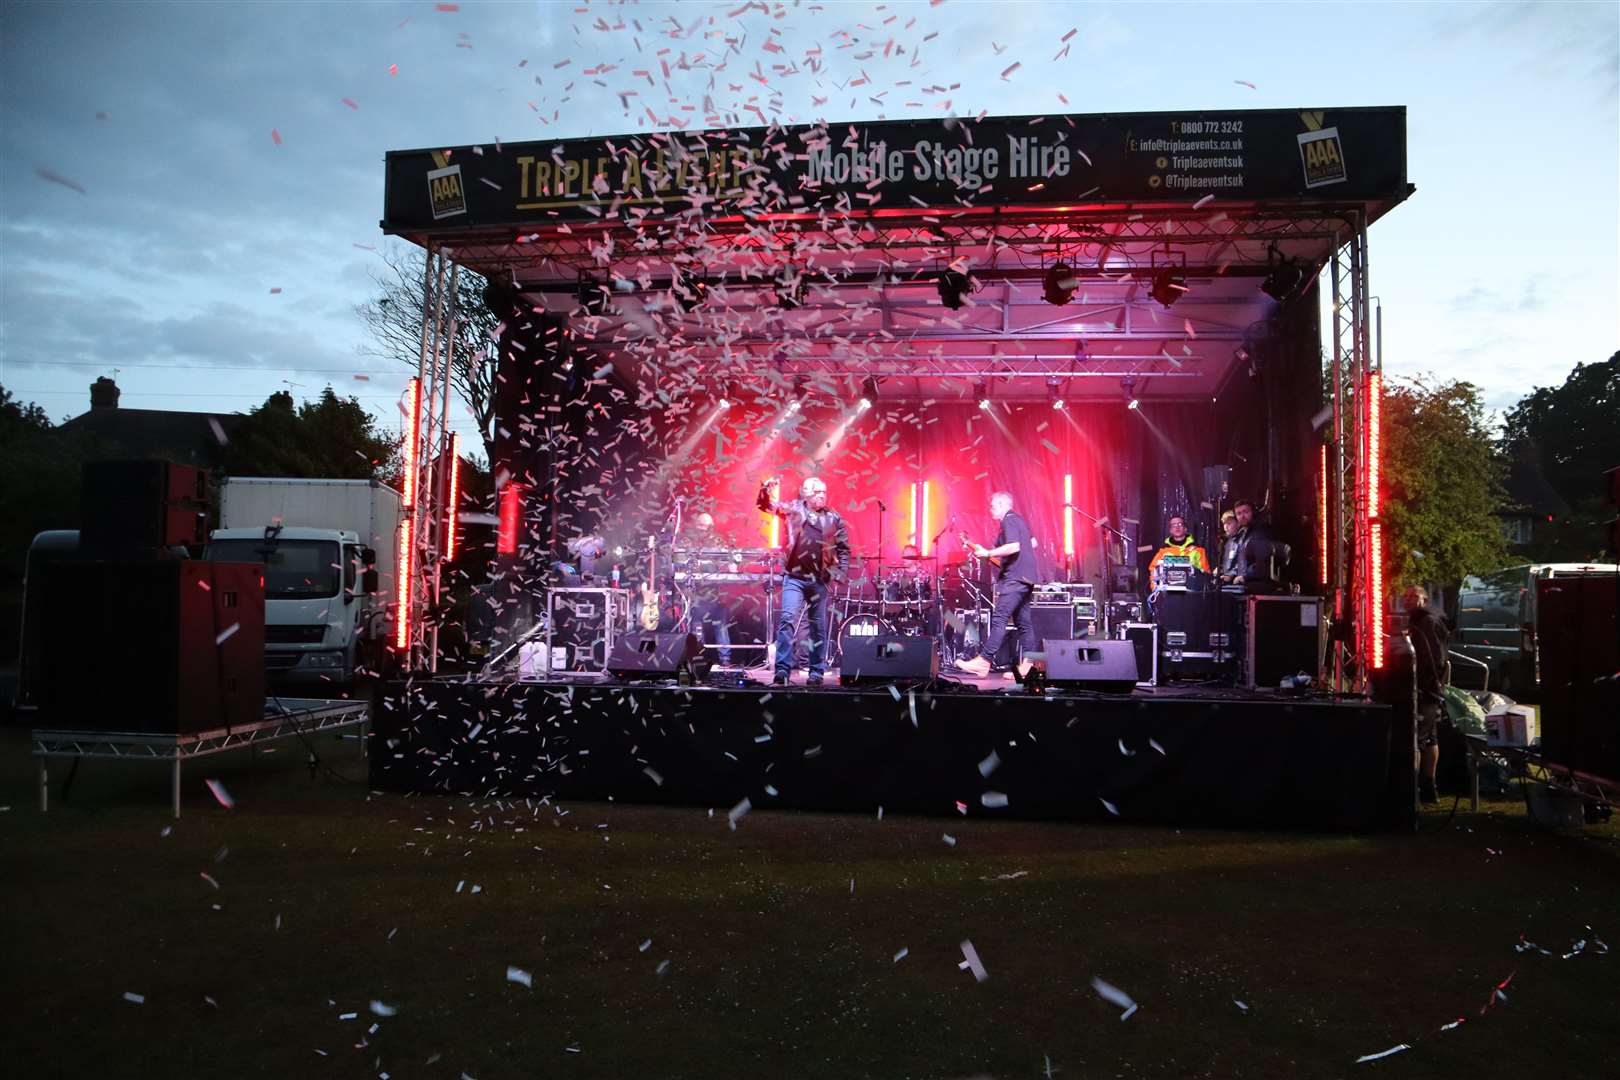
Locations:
(975, 965)
(735, 814)
(275, 136)
(1383, 1053)
(220, 794)
(993, 799)
(350, 102)
(1110, 992)
(519, 976)
(57, 178)
(1245, 82)
(134, 998)
(380, 1009)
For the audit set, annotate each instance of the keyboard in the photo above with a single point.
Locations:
(720, 577)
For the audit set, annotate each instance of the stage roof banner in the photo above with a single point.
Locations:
(1322, 156)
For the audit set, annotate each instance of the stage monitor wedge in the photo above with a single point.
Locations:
(1109, 667)
(654, 655)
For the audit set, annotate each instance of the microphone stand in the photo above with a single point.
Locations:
(1108, 585)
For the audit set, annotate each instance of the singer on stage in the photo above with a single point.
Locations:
(817, 548)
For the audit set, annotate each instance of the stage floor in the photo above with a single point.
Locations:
(1183, 754)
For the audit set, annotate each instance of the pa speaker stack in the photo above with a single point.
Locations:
(654, 656)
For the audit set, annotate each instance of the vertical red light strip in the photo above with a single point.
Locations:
(452, 497)
(403, 570)
(1375, 417)
(1068, 515)
(927, 518)
(1321, 513)
(1377, 577)
(412, 441)
(506, 530)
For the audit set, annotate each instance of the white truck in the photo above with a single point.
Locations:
(328, 550)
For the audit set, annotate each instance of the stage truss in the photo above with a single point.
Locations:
(870, 309)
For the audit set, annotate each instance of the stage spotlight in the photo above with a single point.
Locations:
(728, 394)
(1054, 393)
(1128, 385)
(981, 396)
(1059, 284)
(953, 285)
(1285, 277)
(869, 392)
(593, 297)
(1168, 286)
(690, 290)
(1133, 404)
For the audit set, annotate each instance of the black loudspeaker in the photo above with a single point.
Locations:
(1578, 626)
(155, 646)
(1053, 622)
(132, 508)
(1144, 638)
(654, 656)
(1283, 636)
(889, 658)
(1108, 666)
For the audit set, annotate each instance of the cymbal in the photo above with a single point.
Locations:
(919, 558)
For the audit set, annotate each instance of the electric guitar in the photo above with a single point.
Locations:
(967, 542)
(649, 589)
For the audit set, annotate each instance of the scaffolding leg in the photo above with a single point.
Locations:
(44, 785)
(176, 787)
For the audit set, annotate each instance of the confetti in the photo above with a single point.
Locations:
(1110, 807)
(521, 977)
(663, 966)
(1383, 1053)
(1110, 992)
(210, 880)
(990, 764)
(652, 775)
(393, 69)
(901, 955)
(276, 291)
(227, 633)
(380, 1009)
(1123, 749)
(57, 178)
(949, 839)
(220, 794)
(1245, 82)
(971, 955)
(1205, 201)
(134, 998)
(736, 813)
(993, 799)
(1155, 744)
(350, 103)
(446, 7)
(275, 136)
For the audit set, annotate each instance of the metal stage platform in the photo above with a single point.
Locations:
(288, 719)
(1193, 756)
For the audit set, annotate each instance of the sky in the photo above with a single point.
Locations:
(190, 193)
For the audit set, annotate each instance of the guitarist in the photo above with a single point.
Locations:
(1014, 559)
(817, 547)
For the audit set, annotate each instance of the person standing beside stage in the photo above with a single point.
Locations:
(1179, 542)
(1231, 550)
(816, 549)
(1429, 666)
(1014, 551)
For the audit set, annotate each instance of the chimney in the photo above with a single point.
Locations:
(103, 394)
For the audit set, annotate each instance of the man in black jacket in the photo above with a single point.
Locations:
(1428, 637)
(816, 548)
(1016, 575)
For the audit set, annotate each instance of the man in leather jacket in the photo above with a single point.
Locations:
(816, 549)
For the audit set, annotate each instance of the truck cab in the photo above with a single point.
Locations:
(321, 602)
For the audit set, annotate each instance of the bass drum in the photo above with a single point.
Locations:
(862, 626)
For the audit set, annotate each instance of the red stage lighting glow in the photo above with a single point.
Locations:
(412, 441)
(1375, 396)
(922, 523)
(506, 532)
(1321, 511)
(1376, 651)
(403, 570)
(452, 497)
(1068, 515)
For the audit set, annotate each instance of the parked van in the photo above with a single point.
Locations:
(1496, 622)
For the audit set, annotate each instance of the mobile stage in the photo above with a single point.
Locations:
(1113, 318)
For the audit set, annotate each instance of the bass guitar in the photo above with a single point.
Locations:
(968, 542)
(649, 589)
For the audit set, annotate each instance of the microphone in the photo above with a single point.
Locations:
(881, 507)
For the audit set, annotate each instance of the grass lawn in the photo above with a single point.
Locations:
(764, 959)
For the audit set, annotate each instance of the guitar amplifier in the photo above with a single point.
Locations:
(585, 623)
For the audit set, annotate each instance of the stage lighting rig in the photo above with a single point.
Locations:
(1128, 385)
(1284, 277)
(1059, 284)
(1168, 286)
(953, 285)
(869, 392)
(593, 297)
(981, 396)
(1054, 393)
(690, 290)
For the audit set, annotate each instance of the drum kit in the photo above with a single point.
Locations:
(919, 596)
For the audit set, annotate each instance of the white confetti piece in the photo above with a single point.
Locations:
(993, 799)
(663, 966)
(227, 633)
(1205, 201)
(949, 839)
(134, 998)
(348, 1016)
(1110, 807)
(1240, 1004)
(644, 946)
(166, 830)
(1155, 744)
(1383, 1053)
(736, 813)
(210, 880)
(912, 696)
(1454, 1024)
(1111, 993)
(902, 954)
(222, 796)
(519, 976)
(1123, 749)
(895, 691)
(652, 775)
(971, 956)
(379, 1009)
(461, 884)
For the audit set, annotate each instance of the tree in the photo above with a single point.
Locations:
(394, 318)
(1572, 431)
(1442, 480)
(39, 482)
(333, 438)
